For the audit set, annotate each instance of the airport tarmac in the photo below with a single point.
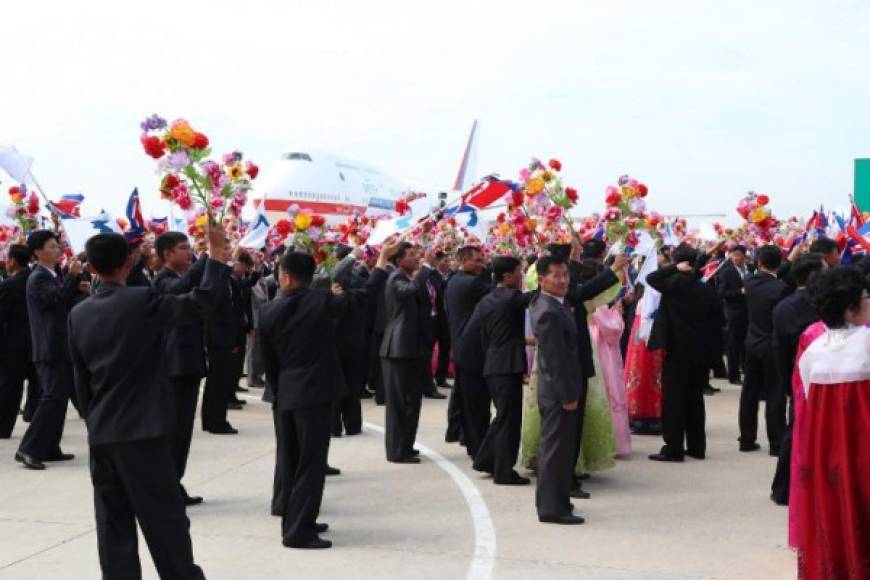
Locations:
(707, 519)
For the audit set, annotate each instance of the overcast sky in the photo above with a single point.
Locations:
(700, 99)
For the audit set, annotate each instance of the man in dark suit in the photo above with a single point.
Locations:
(559, 391)
(730, 288)
(790, 318)
(502, 315)
(15, 363)
(763, 291)
(431, 283)
(682, 327)
(246, 274)
(379, 324)
(401, 352)
(222, 329)
(468, 410)
(588, 279)
(185, 351)
(303, 371)
(118, 348)
(442, 326)
(49, 298)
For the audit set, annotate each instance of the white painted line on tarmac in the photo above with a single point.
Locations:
(483, 561)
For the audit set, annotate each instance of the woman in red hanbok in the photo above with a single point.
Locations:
(833, 435)
(643, 379)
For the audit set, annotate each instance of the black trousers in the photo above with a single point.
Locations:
(683, 412)
(476, 404)
(500, 447)
(443, 339)
(42, 438)
(218, 386)
(578, 422)
(34, 393)
(185, 391)
(454, 410)
(347, 410)
(761, 381)
(280, 483)
(782, 477)
(403, 397)
(555, 460)
(376, 370)
(240, 351)
(735, 349)
(426, 379)
(304, 448)
(133, 482)
(13, 371)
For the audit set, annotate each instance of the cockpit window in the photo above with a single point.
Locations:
(302, 156)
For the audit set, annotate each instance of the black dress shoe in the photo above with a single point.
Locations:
(709, 390)
(59, 457)
(747, 447)
(29, 461)
(415, 452)
(515, 479)
(405, 460)
(330, 470)
(777, 501)
(774, 451)
(192, 499)
(435, 395)
(665, 457)
(224, 430)
(737, 382)
(366, 395)
(569, 520)
(583, 477)
(451, 438)
(321, 528)
(241, 389)
(695, 454)
(314, 543)
(256, 384)
(234, 406)
(580, 493)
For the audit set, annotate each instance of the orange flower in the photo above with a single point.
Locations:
(182, 132)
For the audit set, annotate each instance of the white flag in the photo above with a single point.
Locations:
(651, 297)
(80, 230)
(258, 232)
(15, 164)
(387, 227)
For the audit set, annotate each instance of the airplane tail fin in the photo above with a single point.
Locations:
(468, 167)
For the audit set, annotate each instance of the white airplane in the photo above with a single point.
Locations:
(336, 187)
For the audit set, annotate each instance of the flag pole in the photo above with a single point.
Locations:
(48, 204)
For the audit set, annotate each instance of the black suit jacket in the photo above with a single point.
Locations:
(380, 302)
(429, 310)
(300, 354)
(790, 318)
(117, 341)
(503, 331)
(49, 300)
(461, 295)
(730, 288)
(559, 368)
(185, 352)
(14, 326)
(686, 315)
(402, 336)
(578, 294)
(763, 292)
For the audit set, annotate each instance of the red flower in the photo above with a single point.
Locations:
(200, 141)
(317, 221)
(571, 193)
(153, 146)
(167, 185)
(283, 227)
(642, 190)
(762, 199)
(516, 198)
(402, 206)
(252, 170)
(613, 199)
(555, 165)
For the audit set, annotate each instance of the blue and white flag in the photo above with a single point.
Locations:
(15, 164)
(80, 230)
(387, 227)
(468, 217)
(258, 231)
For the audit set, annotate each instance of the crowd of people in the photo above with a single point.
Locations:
(577, 349)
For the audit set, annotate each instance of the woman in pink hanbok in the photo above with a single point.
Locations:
(606, 326)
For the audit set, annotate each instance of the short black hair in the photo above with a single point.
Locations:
(561, 251)
(107, 252)
(594, 248)
(299, 265)
(20, 254)
(542, 266)
(246, 259)
(38, 239)
(805, 266)
(739, 248)
(684, 253)
(769, 256)
(440, 255)
(835, 291)
(167, 241)
(467, 252)
(503, 265)
(342, 250)
(824, 246)
(400, 252)
(531, 259)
